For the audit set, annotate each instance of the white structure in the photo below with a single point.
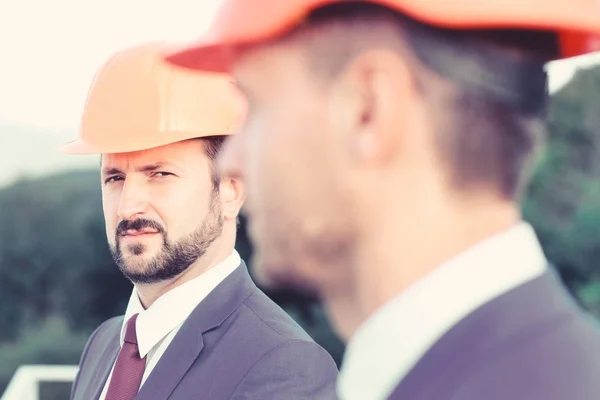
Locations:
(25, 382)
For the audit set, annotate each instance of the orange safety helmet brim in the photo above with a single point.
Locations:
(241, 22)
(137, 101)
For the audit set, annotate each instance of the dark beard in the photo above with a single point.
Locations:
(174, 258)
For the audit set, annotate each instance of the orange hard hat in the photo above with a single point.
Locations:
(245, 22)
(138, 101)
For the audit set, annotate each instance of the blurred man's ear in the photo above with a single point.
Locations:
(232, 194)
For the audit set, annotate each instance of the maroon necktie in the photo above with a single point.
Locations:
(129, 367)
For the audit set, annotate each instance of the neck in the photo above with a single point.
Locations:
(215, 254)
(398, 250)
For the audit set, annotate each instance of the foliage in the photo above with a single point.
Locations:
(54, 256)
(49, 342)
(563, 202)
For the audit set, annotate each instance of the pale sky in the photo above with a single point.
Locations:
(50, 50)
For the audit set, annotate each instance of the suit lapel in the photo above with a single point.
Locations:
(106, 364)
(188, 343)
(173, 365)
(105, 360)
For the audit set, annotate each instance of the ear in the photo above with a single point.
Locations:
(232, 194)
(384, 97)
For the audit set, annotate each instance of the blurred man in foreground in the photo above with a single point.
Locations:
(196, 326)
(386, 146)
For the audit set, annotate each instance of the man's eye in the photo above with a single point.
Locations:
(113, 179)
(161, 174)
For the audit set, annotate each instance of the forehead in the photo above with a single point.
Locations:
(271, 67)
(184, 153)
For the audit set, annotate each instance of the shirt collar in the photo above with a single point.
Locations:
(388, 345)
(172, 308)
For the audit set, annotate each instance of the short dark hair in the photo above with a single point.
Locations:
(212, 147)
(488, 95)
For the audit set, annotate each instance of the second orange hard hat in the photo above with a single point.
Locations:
(243, 22)
(138, 101)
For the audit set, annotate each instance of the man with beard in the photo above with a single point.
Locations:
(386, 147)
(196, 326)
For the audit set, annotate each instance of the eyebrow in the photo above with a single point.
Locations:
(145, 168)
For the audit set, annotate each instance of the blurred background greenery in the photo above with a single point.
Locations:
(58, 281)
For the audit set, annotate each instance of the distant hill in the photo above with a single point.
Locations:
(33, 152)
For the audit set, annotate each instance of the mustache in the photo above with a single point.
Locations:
(137, 225)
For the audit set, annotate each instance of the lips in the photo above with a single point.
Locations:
(141, 232)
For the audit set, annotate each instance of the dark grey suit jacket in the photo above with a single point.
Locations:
(237, 344)
(532, 343)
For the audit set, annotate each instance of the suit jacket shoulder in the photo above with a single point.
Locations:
(287, 359)
(238, 344)
(272, 319)
(530, 343)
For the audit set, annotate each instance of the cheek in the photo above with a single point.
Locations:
(181, 208)
(281, 158)
(267, 159)
(111, 218)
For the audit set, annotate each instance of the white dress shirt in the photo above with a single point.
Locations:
(391, 342)
(157, 326)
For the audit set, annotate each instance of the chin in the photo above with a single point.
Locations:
(138, 262)
(283, 276)
(138, 251)
(136, 268)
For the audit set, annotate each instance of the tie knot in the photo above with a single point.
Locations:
(130, 332)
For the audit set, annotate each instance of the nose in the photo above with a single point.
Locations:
(230, 159)
(133, 202)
